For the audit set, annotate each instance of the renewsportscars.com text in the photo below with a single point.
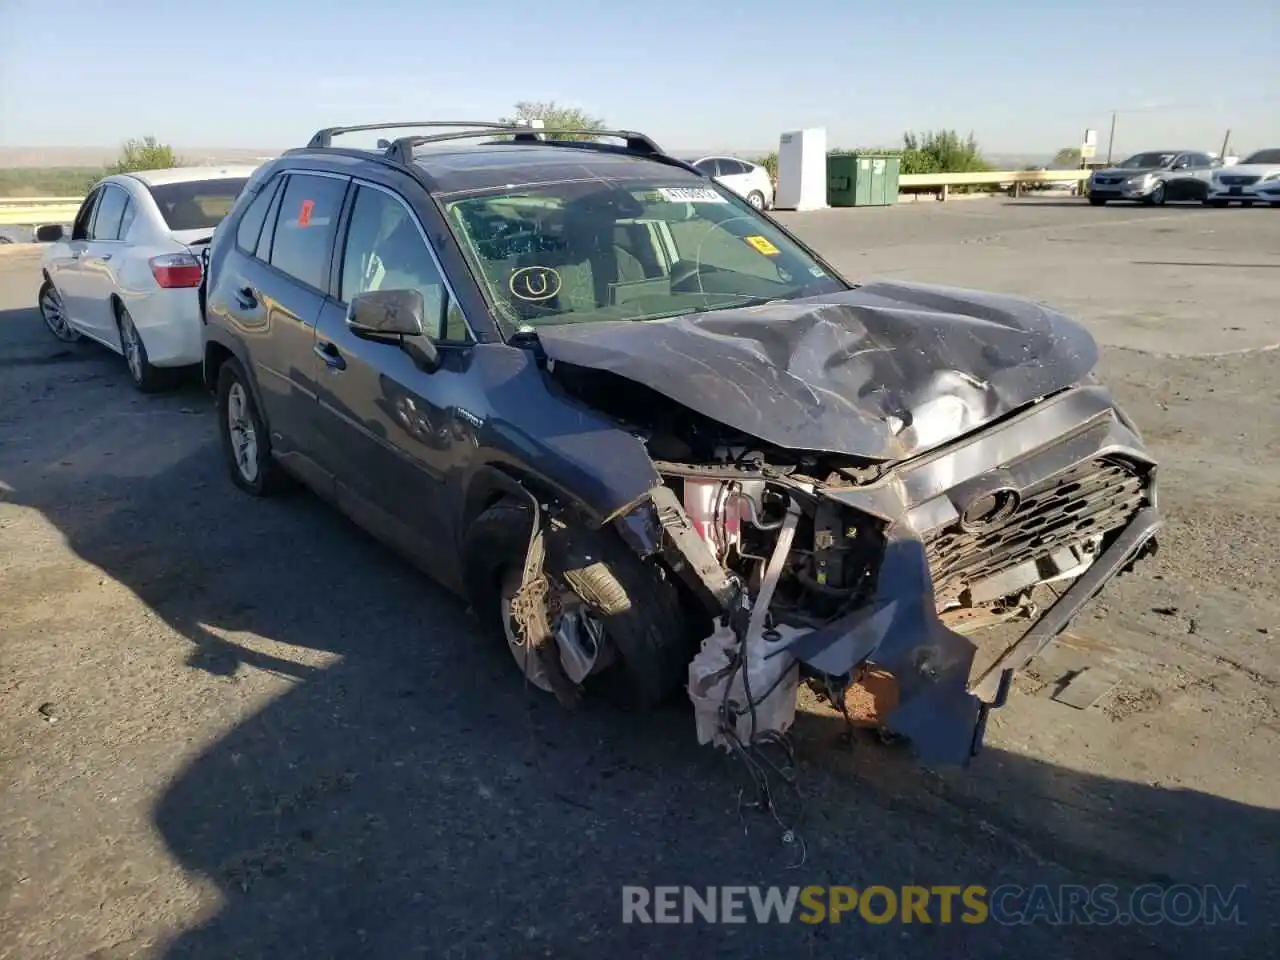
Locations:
(1007, 905)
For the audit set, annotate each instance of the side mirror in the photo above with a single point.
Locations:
(387, 314)
(49, 233)
(391, 316)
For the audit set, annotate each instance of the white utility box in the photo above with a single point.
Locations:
(802, 170)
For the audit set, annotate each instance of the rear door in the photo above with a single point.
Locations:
(275, 297)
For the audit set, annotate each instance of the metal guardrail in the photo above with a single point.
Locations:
(33, 210)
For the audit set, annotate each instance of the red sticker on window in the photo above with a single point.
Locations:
(304, 215)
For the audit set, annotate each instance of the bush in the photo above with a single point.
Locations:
(48, 181)
(556, 117)
(941, 151)
(146, 153)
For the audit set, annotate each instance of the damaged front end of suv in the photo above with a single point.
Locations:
(850, 487)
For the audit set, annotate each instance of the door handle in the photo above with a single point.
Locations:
(105, 257)
(329, 354)
(246, 298)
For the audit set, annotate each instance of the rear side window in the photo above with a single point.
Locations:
(197, 204)
(106, 225)
(253, 218)
(305, 227)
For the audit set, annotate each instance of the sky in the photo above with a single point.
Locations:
(732, 75)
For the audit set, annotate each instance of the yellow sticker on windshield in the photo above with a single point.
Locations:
(763, 245)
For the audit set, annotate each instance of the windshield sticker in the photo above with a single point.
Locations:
(304, 215)
(534, 284)
(763, 245)
(691, 195)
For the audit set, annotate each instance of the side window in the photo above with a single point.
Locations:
(80, 230)
(385, 251)
(305, 227)
(707, 167)
(253, 218)
(106, 225)
(263, 250)
(130, 215)
(1201, 160)
(732, 167)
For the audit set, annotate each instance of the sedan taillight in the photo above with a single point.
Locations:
(176, 270)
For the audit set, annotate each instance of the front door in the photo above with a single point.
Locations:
(65, 265)
(98, 263)
(389, 425)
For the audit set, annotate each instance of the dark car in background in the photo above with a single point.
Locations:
(1154, 177)
(623, 412)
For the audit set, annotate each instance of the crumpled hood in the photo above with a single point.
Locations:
(881, 372)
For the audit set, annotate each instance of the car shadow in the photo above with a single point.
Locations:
(413, 798)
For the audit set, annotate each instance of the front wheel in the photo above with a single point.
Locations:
(246, 445)
(617, 604)
(756, 199)
(1156, 197)
(54, 314)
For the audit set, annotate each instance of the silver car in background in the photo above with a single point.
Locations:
(1155, 176)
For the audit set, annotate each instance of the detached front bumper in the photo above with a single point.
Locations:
(1093, 478)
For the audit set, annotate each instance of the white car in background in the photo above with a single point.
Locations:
(128, 274)
(748, 180)
(1255, 179)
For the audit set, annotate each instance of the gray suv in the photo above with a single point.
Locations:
(619, 410)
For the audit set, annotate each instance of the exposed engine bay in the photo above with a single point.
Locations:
(816, 568)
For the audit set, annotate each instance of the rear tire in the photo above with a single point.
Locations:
(147, 378)
(639, 607)
(241, 427)
(756, 199)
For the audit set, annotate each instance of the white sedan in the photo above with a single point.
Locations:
(748, 180)
(127, 275)
(1255, 179)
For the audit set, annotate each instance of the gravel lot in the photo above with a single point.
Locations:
(239, 728)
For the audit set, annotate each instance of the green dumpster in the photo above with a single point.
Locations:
(862, 179)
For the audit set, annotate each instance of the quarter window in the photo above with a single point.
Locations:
(251, 222)
(305, 226)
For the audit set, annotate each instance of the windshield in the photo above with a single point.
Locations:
(1147, 161)
(596, 250)
(1263, 156)
(197, 204)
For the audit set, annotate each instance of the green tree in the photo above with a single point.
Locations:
(1068, 158)
(556, 117)
(941, 151)
(146, 153)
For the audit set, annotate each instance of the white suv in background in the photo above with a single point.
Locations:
(1255, 179)
(128, 273)
(748, 180)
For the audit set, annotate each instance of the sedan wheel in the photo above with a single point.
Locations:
(55, 315)
(146, 378)
(756, 199)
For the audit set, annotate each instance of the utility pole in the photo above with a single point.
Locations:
(1111, 138)
(1226, 141)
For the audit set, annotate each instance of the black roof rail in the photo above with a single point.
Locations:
(401, 151)
(323, 139)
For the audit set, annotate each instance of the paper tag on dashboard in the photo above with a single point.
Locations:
(690, 195)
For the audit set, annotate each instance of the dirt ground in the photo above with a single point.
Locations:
(242, 728)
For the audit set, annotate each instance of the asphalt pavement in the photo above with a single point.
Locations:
(232, 727)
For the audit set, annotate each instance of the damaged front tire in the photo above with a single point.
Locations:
(637, 606)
